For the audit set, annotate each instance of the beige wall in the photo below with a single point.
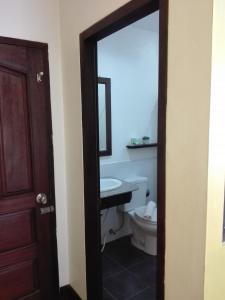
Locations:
(39, 21)
(215, 250)
(76, 16)
(190, 38)
(187, 139)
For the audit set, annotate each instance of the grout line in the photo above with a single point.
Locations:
(136, 264)
(117, 273)
(138, 293)
(129, 270)
(141, 263)
(109, 293)
(115, 261)
(126, 268)
(113, 275)
(149, 284)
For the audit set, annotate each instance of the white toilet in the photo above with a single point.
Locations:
(144, 231)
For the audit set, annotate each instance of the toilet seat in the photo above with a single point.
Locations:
(139, 215)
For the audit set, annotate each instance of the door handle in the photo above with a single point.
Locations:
(47, 210)
(41, 198)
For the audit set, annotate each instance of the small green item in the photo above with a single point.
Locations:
(146, 139)
(133, 141)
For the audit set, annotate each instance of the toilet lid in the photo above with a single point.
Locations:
(139, 215)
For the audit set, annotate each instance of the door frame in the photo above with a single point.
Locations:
(44, 48)
(122, 17)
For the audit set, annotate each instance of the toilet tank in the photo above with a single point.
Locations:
(139, 196)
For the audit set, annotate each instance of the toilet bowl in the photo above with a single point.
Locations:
(144, 232)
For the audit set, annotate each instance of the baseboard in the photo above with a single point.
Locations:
(68, 293)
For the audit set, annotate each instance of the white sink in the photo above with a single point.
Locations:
(109, 184)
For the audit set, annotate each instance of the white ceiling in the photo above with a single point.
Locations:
(149, 23)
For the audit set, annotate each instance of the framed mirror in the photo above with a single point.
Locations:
(104, 116)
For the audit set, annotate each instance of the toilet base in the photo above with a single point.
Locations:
(148, 247)
(143, 240)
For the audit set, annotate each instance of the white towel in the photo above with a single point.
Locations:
(154, 216)
(149, 210)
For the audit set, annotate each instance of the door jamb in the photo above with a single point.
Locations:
(124, 16)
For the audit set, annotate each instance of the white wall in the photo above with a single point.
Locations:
(130, 58)
(39, 21)
(142, 167)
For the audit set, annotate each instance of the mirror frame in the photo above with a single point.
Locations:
(107, 82)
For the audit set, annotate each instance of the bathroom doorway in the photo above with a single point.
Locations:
(98, 108)
(128, 120)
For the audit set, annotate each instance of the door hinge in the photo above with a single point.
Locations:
(47, 210)
(39, 76)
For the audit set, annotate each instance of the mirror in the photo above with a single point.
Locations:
(104, 116)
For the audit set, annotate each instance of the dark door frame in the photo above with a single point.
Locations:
(44, 48)
(127, 14)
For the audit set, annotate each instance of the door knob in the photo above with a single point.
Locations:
(41, 199)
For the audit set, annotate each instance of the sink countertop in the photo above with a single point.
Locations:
(125, 187)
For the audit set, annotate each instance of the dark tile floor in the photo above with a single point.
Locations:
(128, 273)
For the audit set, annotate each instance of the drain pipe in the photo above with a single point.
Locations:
(111, 230)
(106, 235)
(115, 231)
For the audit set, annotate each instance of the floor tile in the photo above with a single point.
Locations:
(147, 294)
(107, 296)
(124, 285)
(110, 267)
(123, 252)
(145, 272)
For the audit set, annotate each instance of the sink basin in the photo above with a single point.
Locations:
(109, 184)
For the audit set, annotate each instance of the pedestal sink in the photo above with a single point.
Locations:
(109, 184)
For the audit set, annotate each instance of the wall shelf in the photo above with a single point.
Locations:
(142, 146)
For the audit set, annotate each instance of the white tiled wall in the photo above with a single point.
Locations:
(112, 217)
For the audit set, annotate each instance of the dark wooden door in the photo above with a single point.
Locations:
(28, 264)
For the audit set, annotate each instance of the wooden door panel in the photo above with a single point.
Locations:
(19, 255)
(27, 237)
(15, 134)
(34, 296)
(41, 141)
(13, 57)
(22, 278)
(16, 203)
(17, 230)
